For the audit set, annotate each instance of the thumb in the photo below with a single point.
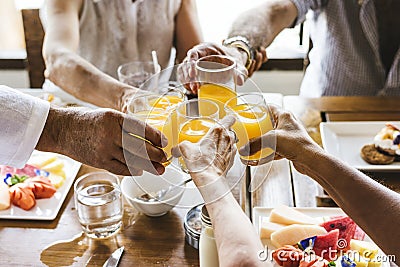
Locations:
(267, 140)
(182, 149)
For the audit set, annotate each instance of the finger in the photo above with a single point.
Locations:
(141, 148)
(133, 161)
(117, 167)
(259, 61)
(267, 140)
(140, 128)
(121, 158)
(182, 149)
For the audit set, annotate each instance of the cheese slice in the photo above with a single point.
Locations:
(286, 215)
(41, 160)
(4, 196)
(294, 233)
(55, 166)
(56, 180)
(267, 228)
(366, 249)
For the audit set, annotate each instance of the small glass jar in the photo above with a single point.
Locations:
(208, 254)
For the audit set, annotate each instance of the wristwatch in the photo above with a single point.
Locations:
(243, 44)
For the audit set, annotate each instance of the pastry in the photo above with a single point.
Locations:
(371, 154)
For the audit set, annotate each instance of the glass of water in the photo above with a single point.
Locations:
(98, 201)
(138, 73)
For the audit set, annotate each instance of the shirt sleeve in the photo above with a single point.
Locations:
(304, 5)
(22, 121)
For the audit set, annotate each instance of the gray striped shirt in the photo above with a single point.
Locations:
(345, 58)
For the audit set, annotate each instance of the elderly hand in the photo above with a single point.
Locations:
(213, 154)
(290, 137)
(187, 71)
(104, 138)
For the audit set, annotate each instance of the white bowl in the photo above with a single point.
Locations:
(135, 186)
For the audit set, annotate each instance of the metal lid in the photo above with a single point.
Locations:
(205, 218)
(192, 225)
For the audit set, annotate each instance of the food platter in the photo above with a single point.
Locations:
(46, 209)
(344, 140)
(320, 213)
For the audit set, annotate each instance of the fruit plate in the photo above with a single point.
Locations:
(344, 140)
(261, 213)
(48, 208)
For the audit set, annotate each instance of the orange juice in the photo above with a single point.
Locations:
(218, 93)
(160, 120)
(193, 130)
(251, 122)
(169, 102)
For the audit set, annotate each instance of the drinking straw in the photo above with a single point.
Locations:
(155, 60)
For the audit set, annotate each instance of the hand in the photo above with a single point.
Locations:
(187, 70)
(103, 138)
(213, 154)
(292, 140)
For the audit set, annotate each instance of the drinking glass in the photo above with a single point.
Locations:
(136, 73)
(217, 78)
(252, 120)
(98, 201)
(195, 118)
(157, 112)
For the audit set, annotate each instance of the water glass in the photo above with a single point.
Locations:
(136, 73)
(98, 201)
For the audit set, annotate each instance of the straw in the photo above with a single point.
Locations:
(155, 60)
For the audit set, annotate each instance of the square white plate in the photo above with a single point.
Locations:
(261, 213)
(344, 140)
(48, 208)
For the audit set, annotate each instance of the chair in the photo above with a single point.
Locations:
(34, 35)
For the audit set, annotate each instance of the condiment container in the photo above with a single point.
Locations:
(208, 253)
(192, 225)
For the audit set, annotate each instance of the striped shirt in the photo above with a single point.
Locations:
(345, 58)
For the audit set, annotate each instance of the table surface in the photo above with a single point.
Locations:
(161, 241)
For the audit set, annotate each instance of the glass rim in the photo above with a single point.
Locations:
(93, 173)
(198, 116)
(137, 62)
(149, 94)
(227, 107)
(228, 67)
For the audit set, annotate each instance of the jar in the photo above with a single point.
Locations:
(208, 253)
(193, 226)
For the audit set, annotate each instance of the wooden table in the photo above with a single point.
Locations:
(161, 241)
(312, 111)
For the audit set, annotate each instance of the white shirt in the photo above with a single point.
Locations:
(22, 119)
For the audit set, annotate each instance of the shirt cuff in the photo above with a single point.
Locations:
(33, 131)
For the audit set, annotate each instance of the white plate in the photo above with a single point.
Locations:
(261, 213)
(48, 208)
(344, 140)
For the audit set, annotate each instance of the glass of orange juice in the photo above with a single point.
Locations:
(216, 75)
(155, 110)
(195, 118)
(253, 120)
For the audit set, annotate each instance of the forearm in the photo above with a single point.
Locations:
(365, 200)
(263, 23)
(237, 241)
(83, 80)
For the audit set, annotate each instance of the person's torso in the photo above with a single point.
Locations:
(113, 32)
(346, 58)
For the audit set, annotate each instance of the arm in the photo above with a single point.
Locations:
(263, 23)
(100, 138)
(237, 241)
(187, 28)
(65, 68)
(375, 208)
